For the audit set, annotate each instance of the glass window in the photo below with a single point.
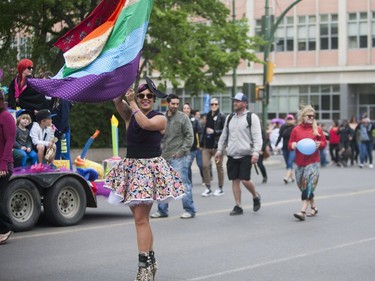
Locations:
(324, 43)
(353, 16)
(284, 35)
(328, 32)
(306, 33)
(301, 19)
(363, 16)
(323, 18)
(326, 102)
(303, 89)
(358, 30)
(335, 102)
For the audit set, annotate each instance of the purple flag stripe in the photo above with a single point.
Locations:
(90, 88)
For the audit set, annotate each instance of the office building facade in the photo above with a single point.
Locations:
(324, 55)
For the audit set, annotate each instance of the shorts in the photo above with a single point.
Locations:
(239, 169)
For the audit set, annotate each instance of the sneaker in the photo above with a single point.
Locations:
(187, 215)
(257, 203)
(158, 215)
(371, 166)
(219, 192)
(264, 180)
(207, 192)
(237, 210)
(361, 166)
(285, 180)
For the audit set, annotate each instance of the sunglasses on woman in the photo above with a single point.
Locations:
(148, 96)
(310, 116)
(30, 68)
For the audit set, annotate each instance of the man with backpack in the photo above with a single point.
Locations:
(242, 140)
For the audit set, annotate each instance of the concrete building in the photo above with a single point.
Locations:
(324, 54)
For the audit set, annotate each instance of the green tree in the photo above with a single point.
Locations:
(196, 42)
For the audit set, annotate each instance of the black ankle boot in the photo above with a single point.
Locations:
(153, 263)
(144, 268)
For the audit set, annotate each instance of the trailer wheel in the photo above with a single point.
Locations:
(23, 204)
(65, 203)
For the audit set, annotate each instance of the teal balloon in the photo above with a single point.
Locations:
(306, 146)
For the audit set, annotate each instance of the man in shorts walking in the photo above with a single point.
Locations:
(242, 140)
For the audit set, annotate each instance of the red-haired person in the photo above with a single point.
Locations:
(21, 95)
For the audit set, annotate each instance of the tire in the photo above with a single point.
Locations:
(65, 203)
(23, 204)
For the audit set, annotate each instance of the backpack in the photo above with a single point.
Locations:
(248, 118)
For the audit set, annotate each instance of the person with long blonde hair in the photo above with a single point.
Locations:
(307, 171)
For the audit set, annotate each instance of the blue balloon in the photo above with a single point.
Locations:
(306, 146)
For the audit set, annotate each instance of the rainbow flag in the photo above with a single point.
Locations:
(101, 54)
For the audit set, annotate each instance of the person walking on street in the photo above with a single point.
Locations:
(289, 155)
(353, 143)
(143, 176)
(197, 133)
(334, 142)
(307, 171)
(243, 145)
(365, 140)
(177, 141)
(7, 139)
(264, 154)
(210, 138)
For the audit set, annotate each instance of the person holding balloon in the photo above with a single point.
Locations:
(307, 139)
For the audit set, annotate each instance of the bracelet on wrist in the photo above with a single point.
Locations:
(135, 111)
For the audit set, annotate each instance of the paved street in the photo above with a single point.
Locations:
(338, 244)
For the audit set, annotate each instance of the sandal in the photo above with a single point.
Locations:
(301, 215)
(313, 213)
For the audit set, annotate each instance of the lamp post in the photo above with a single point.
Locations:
(234, 87)
(269, 32)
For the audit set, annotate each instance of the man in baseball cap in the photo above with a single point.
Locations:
(240, 97)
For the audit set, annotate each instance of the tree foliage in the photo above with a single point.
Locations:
(196, 42)
(191, 44)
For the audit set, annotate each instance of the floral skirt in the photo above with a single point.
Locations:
(135, 181)
(307, 179)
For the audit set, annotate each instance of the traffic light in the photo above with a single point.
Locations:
(249, 89)
(259, 92)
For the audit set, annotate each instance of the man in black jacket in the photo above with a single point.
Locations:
(210, 138)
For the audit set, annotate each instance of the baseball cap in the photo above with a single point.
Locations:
(20, 112)
(43, 114)
(240, 97)
(289, 117)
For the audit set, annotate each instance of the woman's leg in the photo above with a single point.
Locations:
(146, 264)
(141, 215)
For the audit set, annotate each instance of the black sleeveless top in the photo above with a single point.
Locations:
(143, 143)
